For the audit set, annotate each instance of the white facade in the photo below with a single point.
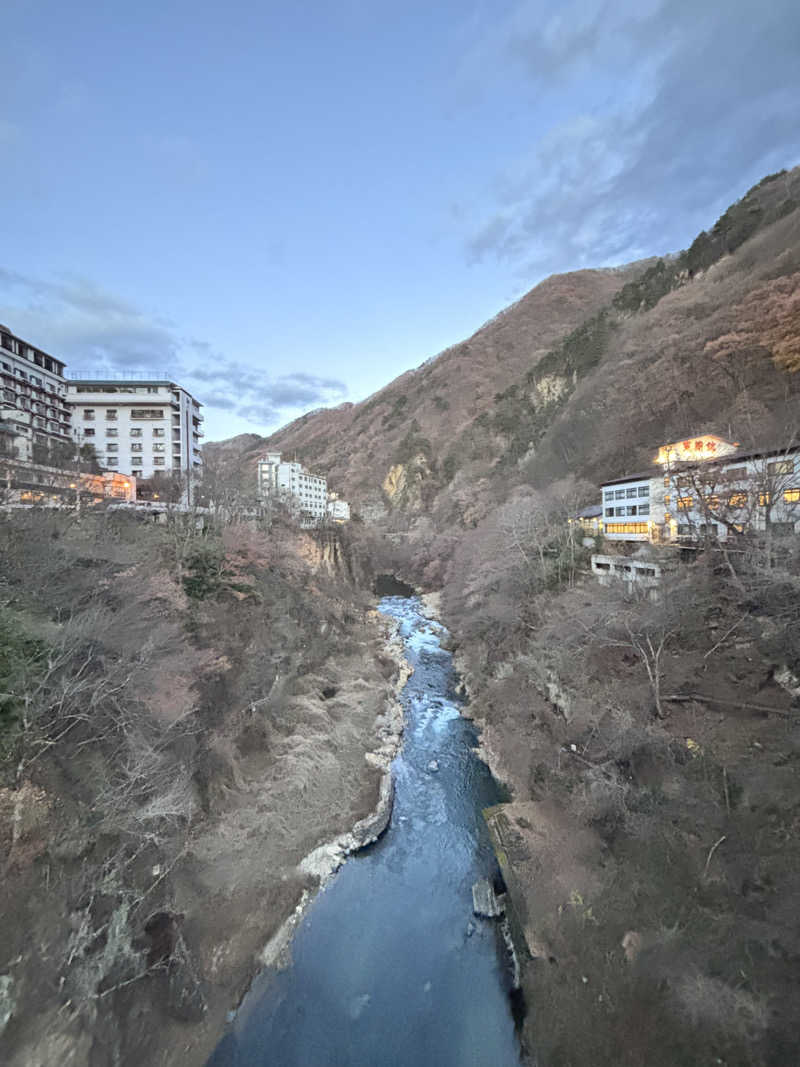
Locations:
(145, 427)
(631, 509)
(338, 510)
(692, 500)
(306, 493)
(33, 399)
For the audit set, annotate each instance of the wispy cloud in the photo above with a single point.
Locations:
(97, 332)
(662, 109)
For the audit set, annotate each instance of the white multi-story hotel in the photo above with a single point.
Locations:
(33, 400)
(704, 487)
(149, 427)
(306, 493)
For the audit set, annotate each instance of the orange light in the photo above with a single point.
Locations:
(72, 485)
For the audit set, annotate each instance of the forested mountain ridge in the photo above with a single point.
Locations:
(584, 374)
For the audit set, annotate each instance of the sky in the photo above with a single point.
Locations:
(284, 206)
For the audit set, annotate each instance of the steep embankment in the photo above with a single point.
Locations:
(184, 716)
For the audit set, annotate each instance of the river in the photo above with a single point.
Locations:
(389, 966)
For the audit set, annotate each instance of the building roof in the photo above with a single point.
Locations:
(740, 456)
(593, 511)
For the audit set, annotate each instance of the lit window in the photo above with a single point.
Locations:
(684, 503)
(764, 500)
(782, 466)
(626, 527)
(791, 496)
(737, 500)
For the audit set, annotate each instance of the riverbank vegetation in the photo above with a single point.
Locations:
(184, 713)
(651, 746)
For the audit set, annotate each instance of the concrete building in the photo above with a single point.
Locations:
(338, 510)
(150, 427)
(33, 401)
(306, 494)
(702, 488)
(43, 486)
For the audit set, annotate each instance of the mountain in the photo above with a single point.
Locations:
(587, 373)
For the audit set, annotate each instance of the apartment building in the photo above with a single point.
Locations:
(34, 412)
(149, 427)
(305, 493)
(704, 487)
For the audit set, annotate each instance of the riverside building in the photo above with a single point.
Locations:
(702, 488)
(35, 418)
(305, 493)
(150, 427)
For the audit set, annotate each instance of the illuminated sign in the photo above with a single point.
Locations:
(694, 449)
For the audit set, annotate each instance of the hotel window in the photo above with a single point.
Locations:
(644, 509)
(631, 492)
(112, 446)
(737, 500)
(626, 527)
(684, 529)
(112, 431)
(158, 461)
(158, 431)
(644, 490)
(764, 500)
(136, 433)
(88, 433)
(111, 414)
(137, 448)
(88, 414)
(791, 496)
(158, 448)
(147, 413)
(684, 503)
(619, 494)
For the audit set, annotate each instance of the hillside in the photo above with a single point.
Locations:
(585, 373)
(356, 444)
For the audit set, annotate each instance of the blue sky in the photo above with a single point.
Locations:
(288, 205)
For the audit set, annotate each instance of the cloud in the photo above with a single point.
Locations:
(665, 112)
(260, 398)
(90, 328)
(97, 332)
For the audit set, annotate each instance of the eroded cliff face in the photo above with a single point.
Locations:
(137, 903)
